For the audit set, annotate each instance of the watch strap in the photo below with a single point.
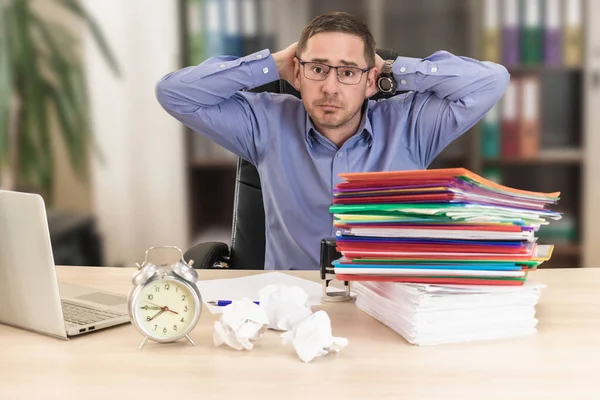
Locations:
(387, 67)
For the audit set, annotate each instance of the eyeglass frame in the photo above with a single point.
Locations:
(337, 75)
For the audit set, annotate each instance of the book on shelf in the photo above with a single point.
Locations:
(532, 32)
(491, 31)
(512, 128)
(573, 33)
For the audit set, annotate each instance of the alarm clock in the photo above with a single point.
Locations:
(164, 303)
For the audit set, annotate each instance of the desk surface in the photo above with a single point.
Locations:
(561, 361)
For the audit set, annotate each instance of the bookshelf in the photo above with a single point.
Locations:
(560, 152)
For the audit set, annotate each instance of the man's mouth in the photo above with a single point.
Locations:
(329, 107)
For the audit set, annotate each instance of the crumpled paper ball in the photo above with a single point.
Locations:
(285, 306)
(241, 323)
(312, 337)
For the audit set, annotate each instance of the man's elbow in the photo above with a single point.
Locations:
(163, 92)
(501, 78)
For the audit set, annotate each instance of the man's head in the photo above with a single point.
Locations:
(333, 99)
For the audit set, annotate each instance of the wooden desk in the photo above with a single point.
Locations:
(561, 361)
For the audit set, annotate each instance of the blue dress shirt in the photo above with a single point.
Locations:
(298, 166)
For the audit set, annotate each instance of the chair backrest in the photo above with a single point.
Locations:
(248, 231)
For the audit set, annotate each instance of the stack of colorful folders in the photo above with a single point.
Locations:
(444, 226)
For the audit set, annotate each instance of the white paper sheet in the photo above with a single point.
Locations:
(426, 314)
(249, 286)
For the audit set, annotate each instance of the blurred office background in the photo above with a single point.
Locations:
(156, 183)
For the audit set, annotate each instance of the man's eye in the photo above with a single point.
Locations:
(347, 73)
(318, 70)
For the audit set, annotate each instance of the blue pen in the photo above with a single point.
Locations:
(222, 303)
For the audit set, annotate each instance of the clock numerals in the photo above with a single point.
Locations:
(165, 310)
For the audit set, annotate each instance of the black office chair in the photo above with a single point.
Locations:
(248, 232)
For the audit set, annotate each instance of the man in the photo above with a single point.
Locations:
(300, 146)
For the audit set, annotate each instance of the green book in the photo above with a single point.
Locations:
(490, 134)
(531, 33)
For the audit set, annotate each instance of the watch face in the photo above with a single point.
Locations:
(165, 309)
(385, 84)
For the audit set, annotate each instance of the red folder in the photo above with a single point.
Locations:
(439, 280)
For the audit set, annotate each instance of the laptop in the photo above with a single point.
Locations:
(30, 295)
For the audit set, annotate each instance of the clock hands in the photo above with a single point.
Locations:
(156, 315)
(150, 308)
(157, 307)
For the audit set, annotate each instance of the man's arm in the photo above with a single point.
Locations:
(452, 94)
(207, 99)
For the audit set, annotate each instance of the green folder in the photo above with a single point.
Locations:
(531, 33)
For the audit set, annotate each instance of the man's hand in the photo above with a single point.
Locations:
(379, 62)
(284, 60)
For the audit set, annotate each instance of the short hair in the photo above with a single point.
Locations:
(339, 22)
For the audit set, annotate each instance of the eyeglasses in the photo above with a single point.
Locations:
(346, 75)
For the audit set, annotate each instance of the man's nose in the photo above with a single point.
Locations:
(331, 84)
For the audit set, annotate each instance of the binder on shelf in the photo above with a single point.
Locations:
(492, 174)
(529, 123)
(509, 125)
(573, 40)
(214, 29)
(233, 43)
(250, 26)
(490, 133)
(491, 31)
(267, 34)
(510, 33)
(195, 38)
(552, 33)
(531, 33)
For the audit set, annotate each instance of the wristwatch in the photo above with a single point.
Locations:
(386, 82)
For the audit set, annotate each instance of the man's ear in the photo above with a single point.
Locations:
(372, 88)
(296, 73)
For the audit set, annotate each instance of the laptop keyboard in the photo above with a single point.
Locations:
(82, 315)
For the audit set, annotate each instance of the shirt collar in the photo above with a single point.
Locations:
(364, 126)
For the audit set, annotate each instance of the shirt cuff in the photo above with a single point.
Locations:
(262, 67)
(404, 69)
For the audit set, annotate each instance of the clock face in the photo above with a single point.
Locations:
(165, 309)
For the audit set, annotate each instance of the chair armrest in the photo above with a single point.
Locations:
(207, 254)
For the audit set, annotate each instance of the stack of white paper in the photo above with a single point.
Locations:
(428, 314)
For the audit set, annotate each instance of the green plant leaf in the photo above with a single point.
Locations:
(77, 9)
(73, 137)
(40, 66)
(5, 82)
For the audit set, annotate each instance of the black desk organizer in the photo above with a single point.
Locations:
(329, 254)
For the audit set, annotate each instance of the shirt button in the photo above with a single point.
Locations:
(434, 69)
(221, 65)
(402, 69)
(265, 70)
(258, 56)
(403, 81)
(340, 154)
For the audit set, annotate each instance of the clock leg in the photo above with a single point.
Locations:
(190, 339)
(143, 342)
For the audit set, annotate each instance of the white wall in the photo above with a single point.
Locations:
(139, 192)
